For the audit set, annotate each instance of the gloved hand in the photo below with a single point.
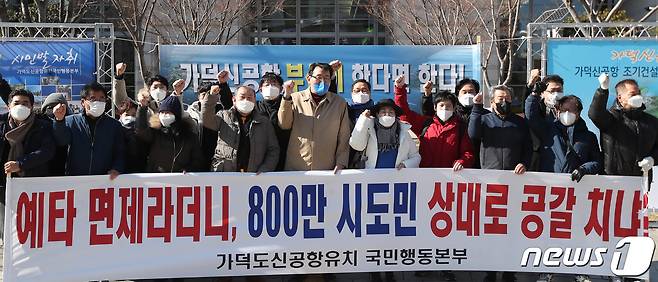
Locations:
(646, 164)
(604, 81)
(539, 88)
(577, 175)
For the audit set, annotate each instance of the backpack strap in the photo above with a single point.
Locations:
(426, 125)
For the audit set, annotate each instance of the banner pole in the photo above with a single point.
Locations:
(644, 215)
(6, 231)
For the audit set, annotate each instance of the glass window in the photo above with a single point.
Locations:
(356, 26)
(279, 25)
(318, 25)
(357, 41)
(265, 40)
(286, 12)
(317, 12)
(353, 12)
(318, 41)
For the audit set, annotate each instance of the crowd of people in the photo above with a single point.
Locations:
(316, 129)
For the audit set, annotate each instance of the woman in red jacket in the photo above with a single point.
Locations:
(444, 140)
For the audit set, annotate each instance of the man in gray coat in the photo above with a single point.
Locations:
(246, 141)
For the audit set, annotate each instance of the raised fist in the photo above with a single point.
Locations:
(604, 81)
(121, 69)
(178, 85)
(222, 76)
(427, 88)
(59, 111)
(399, 81)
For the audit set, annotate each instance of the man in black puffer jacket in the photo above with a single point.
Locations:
(174, 147)
(629, 136)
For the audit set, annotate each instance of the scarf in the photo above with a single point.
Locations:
(318, 98)
(355, 110)
(387, 138)
(15, 137)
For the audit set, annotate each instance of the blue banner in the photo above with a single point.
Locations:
(580, 62)
(48, 67)
(380, 65)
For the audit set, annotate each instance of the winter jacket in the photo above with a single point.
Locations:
(38, 147)
(465, 114)
(320, 133)
(364, 137)
(171, 149)
(270, 109)
(627, 137)
(91, 152)
(556, 155)
(263, 147)
(207, 137)
(504, 143)
(441, 143)
(545, 113)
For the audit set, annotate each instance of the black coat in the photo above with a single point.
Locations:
(269, 109)
(504, 143)
(171, 149)
(208, 137)
(627, 137)
(38, 149)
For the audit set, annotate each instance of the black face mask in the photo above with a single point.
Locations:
(504, 108)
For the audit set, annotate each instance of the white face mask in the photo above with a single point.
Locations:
(244, 106)
(386, 121)
(270, 92)
(444, 115)
(360, 98)
(125, 120)
(166, 119)
(635, 101)
(20, 112)
(551, 99)
(466, 100)
(158, 94)
(96, 108)
(567, 118)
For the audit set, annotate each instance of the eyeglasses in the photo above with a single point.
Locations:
(96, 100)
(324, 78)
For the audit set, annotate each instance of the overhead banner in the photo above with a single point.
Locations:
(49, 67)
(581, 62)
(380, 65)
(211, 224)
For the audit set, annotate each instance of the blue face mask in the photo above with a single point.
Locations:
(320, 88)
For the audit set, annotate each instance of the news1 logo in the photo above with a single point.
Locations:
(637, 257)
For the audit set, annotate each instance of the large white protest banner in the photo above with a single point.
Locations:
(225, 224)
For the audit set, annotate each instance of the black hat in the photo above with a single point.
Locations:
(171, 104)
(386, 103)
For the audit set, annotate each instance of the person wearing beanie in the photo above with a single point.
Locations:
(53, 100)
(173, 145)
(57, 164)
(246, 140)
